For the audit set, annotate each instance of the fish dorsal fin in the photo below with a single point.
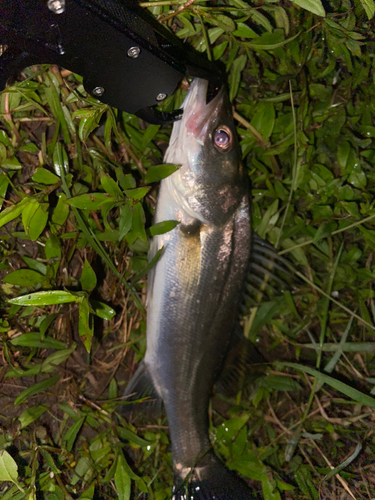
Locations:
(141, 392)
(268, 274)
(243, 363)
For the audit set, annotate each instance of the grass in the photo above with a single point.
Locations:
(78, 186)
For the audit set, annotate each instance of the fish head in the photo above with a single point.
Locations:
(210, 180)
(204, 140)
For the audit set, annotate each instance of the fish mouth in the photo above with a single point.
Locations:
(201, 106)
(212, 91)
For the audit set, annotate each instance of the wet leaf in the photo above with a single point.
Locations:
(219, 50)
(30, 415)
(71, 435)
(280, 383)
(138, 224)
(36, 389)
(138, 193)
(61, 212)
(4, 183)
(235, 75)
(102, 310)
(162, 227)
(126, 181)
(85, 324)
(28, 213)
(56, 358)
(44, 298)
(369, 6)
(43, 176)
(131, 437)
(46, 323)
(12, 212)
(110, 186)
(244, 31)
(88, 277)
(25, 277)
(352, 393)
(35, 339)
(37, 222)
(8, 467)
(125, 222)
(158, 172)
(264, 119)
(35, 265)
(149, 135)
(3, 153)
(11, 164)
(282, 20)
(314, 6)
(225, 22)
(122, 479)
(270, 41)
(60, 160)
(264, 226)
(90, 201)
(88, 494)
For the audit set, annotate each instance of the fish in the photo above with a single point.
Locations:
(194, 290)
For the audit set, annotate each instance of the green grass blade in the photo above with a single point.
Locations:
(352, 393)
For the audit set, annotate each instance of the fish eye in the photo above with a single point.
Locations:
(223, 139)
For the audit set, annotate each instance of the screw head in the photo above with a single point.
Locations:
(134, 52)
(56, 6)
(161, 96)
(98, 91)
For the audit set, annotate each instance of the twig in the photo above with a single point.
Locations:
(178, 11)
(37, 119)
(342, 481)
(8, 118)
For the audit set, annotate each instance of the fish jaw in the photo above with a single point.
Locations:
(209, 183)
(188, 133)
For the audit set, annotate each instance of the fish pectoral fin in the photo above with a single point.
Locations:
(141, 390)
(243, 364)
(268, 274)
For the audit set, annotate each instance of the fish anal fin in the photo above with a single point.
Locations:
(141, 393)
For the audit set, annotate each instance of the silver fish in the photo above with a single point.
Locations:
(195, 288)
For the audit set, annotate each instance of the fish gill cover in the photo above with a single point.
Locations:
(78, 187)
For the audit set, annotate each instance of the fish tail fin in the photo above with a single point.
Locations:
(211, 481)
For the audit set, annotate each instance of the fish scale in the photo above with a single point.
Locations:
(195, 288)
